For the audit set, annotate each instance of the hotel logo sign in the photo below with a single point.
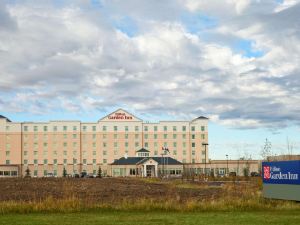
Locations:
(283, 172)
(120, 116)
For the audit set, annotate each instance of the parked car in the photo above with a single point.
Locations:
(83, 174)
(49, 175)
(76, 175)
(254, 174)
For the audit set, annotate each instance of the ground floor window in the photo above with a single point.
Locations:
(132, 171)
(8, 173)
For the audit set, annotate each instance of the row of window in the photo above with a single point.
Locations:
(104, 128)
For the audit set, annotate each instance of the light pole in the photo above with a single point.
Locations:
(227, 172)
(205, 144)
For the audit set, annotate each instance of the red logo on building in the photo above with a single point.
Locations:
(267, 172)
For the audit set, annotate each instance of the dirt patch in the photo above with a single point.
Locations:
(106, 190)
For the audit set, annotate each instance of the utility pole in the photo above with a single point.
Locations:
(205, 144)
(227, 172)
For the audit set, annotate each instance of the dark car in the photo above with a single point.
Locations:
(83, 174)
(254, 174)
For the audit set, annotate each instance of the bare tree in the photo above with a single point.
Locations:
(266, 149)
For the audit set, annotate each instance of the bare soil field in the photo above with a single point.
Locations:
(105, 190)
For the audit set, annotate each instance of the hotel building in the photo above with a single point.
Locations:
(49, 147)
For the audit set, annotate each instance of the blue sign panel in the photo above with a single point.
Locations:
(281, 172)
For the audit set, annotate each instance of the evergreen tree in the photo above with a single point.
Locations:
(99, 172)
(64, 172)
(27, 171)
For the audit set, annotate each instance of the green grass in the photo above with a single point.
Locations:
(116, 217)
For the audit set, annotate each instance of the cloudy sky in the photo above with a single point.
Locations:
(234, 61)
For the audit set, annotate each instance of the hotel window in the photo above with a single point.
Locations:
(104, 128)
(94, 128)
(74, 136)
(174, 128)
(174, 152)
(65, 144)
(65, 136)
(155, 152)
(193, 152)
(7, 153)
(115, 136)
(136, 144)
(174, 136)
(104, 144)
(25, 153)
(203, 152)
(202, 128)
(193, 160)
(165, 136)
(25, 161)
(65, 128)
(193, 136)
(94, 152)
(136, 136)
(65, 161)
(165, 128)
(115, 144)
(203, 136)
(184, 136)
(94, 136)
(45, 161)
(45, 128)
(155, 144)
(45, 172)
(203, 160)
(74, 144)
(104, 160)
(184, 152)
(146, 145)
(25, 145)
(25, 128)
(55, 128)
(115, 152)
(35, 153)
(55, 153)
(126, 136)
(183, 128)
(193, 128)
(35, 173)
(94, 144)
(65, 153)
(126, 128)
(146, 128)
(35, 161)
(35, 128)
(146, 136)
(84, 128)
(45, 145)
(84, 161)
(115, 128)
(74, 161)
(174, 144)
(165, 144)
(136, 128)
(104, 152)
(184, 161)
(184, 144)
(126, 144)
(74, 128)
(193, 144)
(94, 161)
(155, 136)
(155, 128)
(54, 161)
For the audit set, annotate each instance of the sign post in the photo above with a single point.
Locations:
(281, 180)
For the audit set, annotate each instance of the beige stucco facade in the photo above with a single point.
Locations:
(49, 147)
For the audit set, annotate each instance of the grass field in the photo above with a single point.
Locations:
(153, 217)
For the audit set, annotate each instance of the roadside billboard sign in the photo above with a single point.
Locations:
(281, 180)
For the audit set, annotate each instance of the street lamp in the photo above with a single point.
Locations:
(205, 144)
(227, 164)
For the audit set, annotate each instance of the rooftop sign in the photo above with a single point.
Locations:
(119, 115)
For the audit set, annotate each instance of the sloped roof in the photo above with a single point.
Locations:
(202, 118)
(140, 160)
(3, 117)
(143, 150)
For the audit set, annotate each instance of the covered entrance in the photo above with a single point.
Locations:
(150, 170)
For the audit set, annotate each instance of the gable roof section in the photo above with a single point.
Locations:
(3, 117)
(143, 150)
(140, 160)
(112, 116)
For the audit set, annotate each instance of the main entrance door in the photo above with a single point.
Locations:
(150, 170)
